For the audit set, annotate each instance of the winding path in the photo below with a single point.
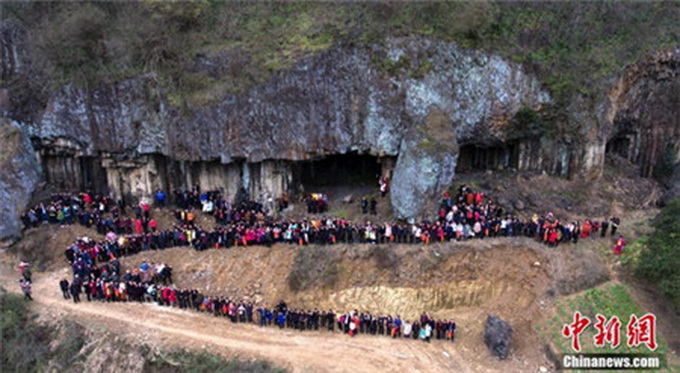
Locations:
(301, 352)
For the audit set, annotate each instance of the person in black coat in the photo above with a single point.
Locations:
(75, 291)
(63, 284)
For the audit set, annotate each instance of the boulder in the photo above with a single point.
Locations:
(425, 167)
(20, 175)
(498, 336)
(348, 198)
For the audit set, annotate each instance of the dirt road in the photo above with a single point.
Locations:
(311, 351)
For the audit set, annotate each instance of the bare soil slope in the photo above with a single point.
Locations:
(512, 278)
(517, 279)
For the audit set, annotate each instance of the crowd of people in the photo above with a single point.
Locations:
(353, 323)
(103, 281)
(471, 215)
(152, 282)
(97, 273)
(89, 210)
(64, 208)
(468, 215)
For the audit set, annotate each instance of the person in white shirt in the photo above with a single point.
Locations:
(406, 329)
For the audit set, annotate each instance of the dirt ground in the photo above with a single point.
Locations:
(513, 279)
(516, 279)
(301, 352)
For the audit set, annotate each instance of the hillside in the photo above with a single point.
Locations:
(573, 46)
(532, 286)
(554, 112)
(524, 282)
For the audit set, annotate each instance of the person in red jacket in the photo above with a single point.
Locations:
(620, 245)
(172, 297)
(479, 198)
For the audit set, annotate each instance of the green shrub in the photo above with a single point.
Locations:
(660, 261)
(25, 346)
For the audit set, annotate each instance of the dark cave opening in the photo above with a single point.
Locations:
(75, 173)
(473, 157)
(339, 169)
(619, 145)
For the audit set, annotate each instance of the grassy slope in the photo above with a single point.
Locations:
(611, 299)
(622, 297)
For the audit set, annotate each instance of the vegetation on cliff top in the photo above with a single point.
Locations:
(181, 361)
(572, 46)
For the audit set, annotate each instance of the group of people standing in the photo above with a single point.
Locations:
(89, 210)
(471, 215)
(353, 323)
(103, 280)
(468, 215)
(152, 282)
(66, 209)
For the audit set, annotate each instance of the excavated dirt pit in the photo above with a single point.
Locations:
(394, 279)
(437, 278)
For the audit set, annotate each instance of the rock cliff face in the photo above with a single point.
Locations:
(339, 101)
(364, 99)
(426, 164)
(644, 117)
(132, 136)
(20, 175)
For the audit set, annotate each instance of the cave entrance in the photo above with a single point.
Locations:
(473, 157)
(94, 178)
(73, 173)
(620, 145)
(351, 169)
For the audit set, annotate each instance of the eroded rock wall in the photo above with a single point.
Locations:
(135, 135)
(644, 117)
(365, 99)
(140, 177)
(338, 101)
(20, 173)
